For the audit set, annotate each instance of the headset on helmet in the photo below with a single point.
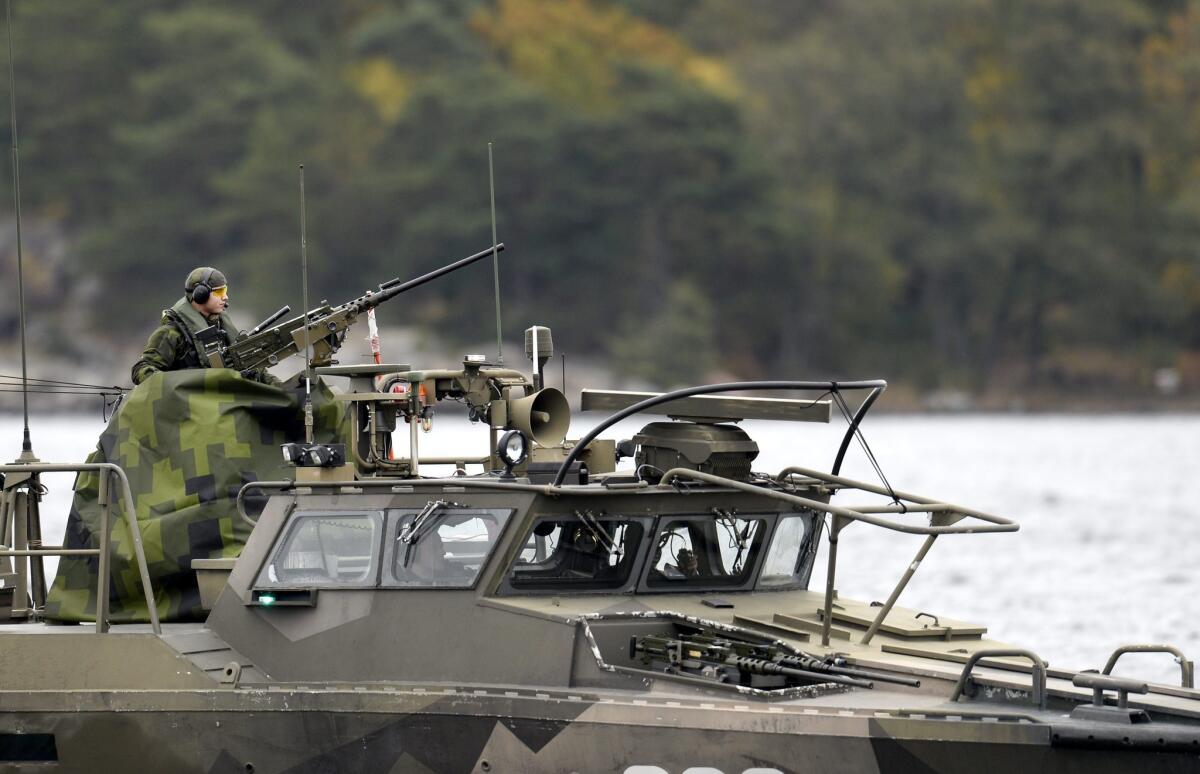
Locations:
(200, 289)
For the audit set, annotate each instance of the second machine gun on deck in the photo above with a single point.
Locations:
(326, 326)
(745, 663)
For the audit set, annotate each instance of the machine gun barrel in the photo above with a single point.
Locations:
(763, 667)
(692, 653)
(270, 320)
(395, 287)
(817, 666)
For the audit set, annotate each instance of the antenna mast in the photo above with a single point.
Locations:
(495, 256)
(308, 409)
(26, 444)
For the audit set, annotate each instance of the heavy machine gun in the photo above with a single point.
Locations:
(747, 663)
(265, 346)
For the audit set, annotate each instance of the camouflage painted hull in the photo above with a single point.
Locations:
(347, 729)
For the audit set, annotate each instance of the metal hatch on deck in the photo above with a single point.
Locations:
(902, 622)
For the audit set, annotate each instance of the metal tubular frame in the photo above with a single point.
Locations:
(105, 469)
(946, 513)
(1186, 666)
(900, 586)
(1038, 672)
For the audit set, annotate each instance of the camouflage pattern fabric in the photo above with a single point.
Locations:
(188, 441)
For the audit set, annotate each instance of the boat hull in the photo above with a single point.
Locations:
(348, 729)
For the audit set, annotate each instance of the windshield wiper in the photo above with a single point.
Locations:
(420, 526)
(598, 532)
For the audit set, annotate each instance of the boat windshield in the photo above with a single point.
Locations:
(793, 548)
(444, 546)
(717, 550)
(326, 550)
(706, 551)
(578, 552)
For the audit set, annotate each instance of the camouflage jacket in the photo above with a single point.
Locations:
(172, 345)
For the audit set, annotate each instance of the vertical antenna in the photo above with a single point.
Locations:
(26, 444)
(495, 255)
(308, 411)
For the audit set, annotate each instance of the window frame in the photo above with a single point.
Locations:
(769, 520)
(809, 546)
(629, 584)
(290, 526)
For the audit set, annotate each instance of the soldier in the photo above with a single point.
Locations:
(173, 346)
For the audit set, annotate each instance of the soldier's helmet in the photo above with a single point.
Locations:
(201, 282)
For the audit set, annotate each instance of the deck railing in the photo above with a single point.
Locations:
(944, 518)
(106, 470)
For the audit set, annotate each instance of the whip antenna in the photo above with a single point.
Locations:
(308, 410)
(495, 255)
(26, 444)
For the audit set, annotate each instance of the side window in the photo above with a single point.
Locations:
(785, 562)
(325, 550)
(706, 551)
(574, 553)
(441, 545)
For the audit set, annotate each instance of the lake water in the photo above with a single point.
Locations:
(1109, 508)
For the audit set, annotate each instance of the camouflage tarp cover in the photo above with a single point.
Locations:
(188, 441)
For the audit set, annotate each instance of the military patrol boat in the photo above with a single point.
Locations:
(595, 604)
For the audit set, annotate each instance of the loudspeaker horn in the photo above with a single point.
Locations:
(544, 416)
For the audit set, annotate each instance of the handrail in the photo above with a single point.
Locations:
(996, 523)
(876, 385)
(1186, 666)
(950, 514)
(1000, 524)
(1038, 672)
(914, 498)
(947, 512)
(130, 517)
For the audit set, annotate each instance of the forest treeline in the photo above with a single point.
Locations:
(971, 194)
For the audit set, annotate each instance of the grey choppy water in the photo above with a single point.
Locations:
(1109, 509)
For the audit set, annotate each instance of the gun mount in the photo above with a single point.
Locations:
(503, 398)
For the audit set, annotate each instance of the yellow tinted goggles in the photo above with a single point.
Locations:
(221, 292)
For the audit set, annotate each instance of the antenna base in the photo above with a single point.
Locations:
(27, 457)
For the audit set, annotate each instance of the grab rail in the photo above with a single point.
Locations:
(996, 523)
(965, 685)
(103, 552)
(946, 513)
(1186, 667)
